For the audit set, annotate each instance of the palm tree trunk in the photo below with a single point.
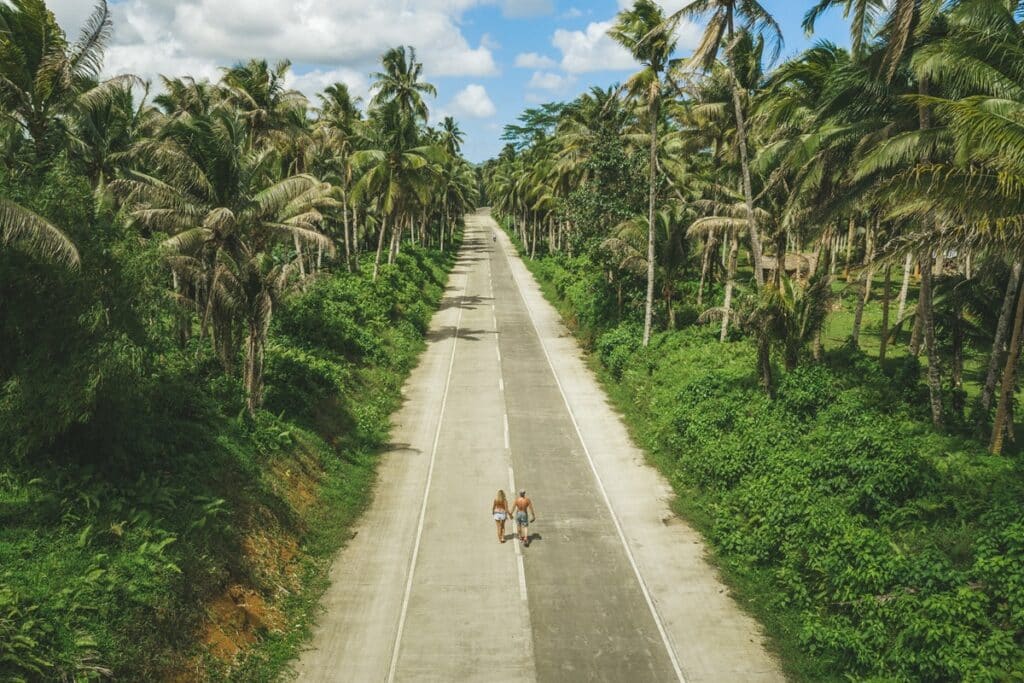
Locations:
(850, 236)
(444, 228)
(780, 259)
(344, 229)
(380, 245)
(533, 245)
(652, 190)
(832, 260)
(705, 262)
(1003, 423)
(883, 340)
(254, 367)
(870, 237)
(730, 277)
(865, 287)
(928, 323)
(998, 343)
(356, 246)
(298, 252)
(748, 192)
(904, 288)
(957, 368)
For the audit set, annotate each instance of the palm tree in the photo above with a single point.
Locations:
(401, 82)
(721, 17)
(339, 114)
(43, 78)
(35, 235)
(642, 30)
(864, 16)
(258, 92)
(226, 207)
(392, 171)
(451, 137)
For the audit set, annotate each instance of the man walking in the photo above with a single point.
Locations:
(524, 515)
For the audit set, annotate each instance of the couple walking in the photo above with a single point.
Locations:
(524, 514)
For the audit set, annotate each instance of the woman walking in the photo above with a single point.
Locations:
(499, 508)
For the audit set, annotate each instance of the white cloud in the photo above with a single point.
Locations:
(532, 60)
(313, 82)
(519, 9)
(177, 36)
(669, 6)
(591, 49)
(572, 13)
(545, 80)
(473, 101)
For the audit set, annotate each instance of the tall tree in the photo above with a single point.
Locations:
(643, 31)
(721, 18)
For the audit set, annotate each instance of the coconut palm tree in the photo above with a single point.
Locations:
(643, 31)
(402, 82)
(226, 207)
(43, 78)
(393, 171)
(721, 18)
(257, 90)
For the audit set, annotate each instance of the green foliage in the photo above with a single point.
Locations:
(889, 551)
(137, 471)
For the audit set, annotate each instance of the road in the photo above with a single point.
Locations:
(613, 587)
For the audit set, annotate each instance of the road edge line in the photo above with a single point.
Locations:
(426, 495)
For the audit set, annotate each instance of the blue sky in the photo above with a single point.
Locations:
(489, 59)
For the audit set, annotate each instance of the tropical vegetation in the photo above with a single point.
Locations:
(203, 339)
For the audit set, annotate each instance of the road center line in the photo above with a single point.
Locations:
(600, 485)
(505, 417)
(426, 493)
(519, 553)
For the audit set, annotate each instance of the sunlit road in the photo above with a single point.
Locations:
(612, 587)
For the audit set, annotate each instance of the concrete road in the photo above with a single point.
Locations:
(612, 588)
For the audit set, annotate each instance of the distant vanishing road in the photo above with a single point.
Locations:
(613, 587)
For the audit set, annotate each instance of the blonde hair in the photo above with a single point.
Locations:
(501, 496)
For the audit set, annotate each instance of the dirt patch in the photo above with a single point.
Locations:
(237, 617)
(297, 483)
(271, 557)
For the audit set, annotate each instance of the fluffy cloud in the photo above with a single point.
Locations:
(178, 36)
(526, 8)
(545, 80)
(591, 49)
(312, 82)
(473, 101)
(532, 60)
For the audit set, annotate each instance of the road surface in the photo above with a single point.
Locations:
(612, 588)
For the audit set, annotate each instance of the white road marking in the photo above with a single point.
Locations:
(506, 431)
(498, 351)
(519, 553)
(501, 384)
(600, 485)
(426, 494)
